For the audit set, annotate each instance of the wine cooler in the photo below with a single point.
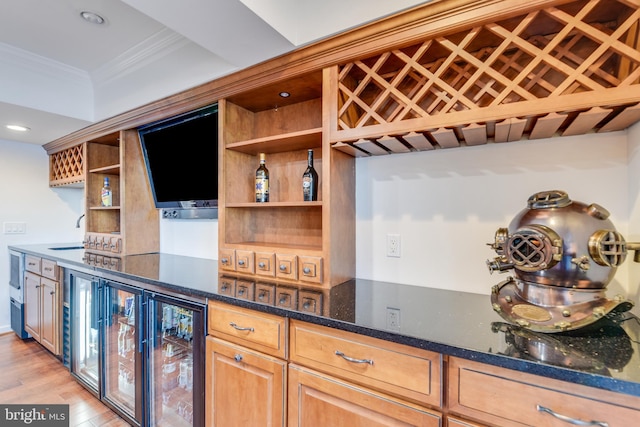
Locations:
(140, 352)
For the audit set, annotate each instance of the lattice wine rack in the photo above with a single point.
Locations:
(567, 69)
(67, 166)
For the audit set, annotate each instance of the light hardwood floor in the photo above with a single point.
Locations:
(30, 374)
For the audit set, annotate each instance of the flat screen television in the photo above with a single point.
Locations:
(181, 157)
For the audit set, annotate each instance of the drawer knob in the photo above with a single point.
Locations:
(306, 270)
(224, 260)
(237, 358)
(570, 420)
(240, 328)
(262, 265)
(352, 360)
(283, 267)
(241, 262)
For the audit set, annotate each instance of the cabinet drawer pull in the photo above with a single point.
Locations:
(306, 270)
(237, 358)
(224, 260)
(283, 267)
(240, 328)
(52, 293)
(570, 420)
(351, 359)
(240, 262)
(262, 265)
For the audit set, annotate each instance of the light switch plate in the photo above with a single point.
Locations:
(14, 227)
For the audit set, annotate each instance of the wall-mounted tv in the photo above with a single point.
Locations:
(181, 157)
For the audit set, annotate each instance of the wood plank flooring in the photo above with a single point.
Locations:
(30, 374)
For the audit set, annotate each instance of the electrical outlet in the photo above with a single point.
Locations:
(393, 319)
(14, 227)
(393, 245)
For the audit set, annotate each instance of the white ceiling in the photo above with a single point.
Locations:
(59, 73)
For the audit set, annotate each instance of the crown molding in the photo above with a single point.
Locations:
(146, 52)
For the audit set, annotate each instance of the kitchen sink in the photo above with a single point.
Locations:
(66, 248)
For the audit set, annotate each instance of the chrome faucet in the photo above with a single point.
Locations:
(78, 221)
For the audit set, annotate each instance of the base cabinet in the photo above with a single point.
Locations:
(245, 387)
(506, 398)
(42, 302)
(316, 399)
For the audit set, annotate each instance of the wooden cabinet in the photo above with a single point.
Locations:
(316, 399)
(506, 398)
(42, 302)
(245, 387)
(270, 239)
(246, 367)
(131, 224)
(404, 372)
(341, 378)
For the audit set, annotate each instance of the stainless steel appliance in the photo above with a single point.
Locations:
(563, 254)
(138, 351)
(16, 293)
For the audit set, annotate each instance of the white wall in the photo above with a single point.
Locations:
(447, 204)
(25, 196)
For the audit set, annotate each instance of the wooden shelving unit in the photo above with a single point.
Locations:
(130, 226)
(295, 234)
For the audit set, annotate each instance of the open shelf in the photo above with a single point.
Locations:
(300, 140)
(107, 170)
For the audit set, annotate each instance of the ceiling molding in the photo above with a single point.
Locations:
(148, 51)
(16, 58)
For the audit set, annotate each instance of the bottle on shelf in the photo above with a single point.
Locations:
(262, 181)
(310, 180)
(106, 197)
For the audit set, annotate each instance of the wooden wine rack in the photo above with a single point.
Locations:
(66, 167)
(566, 69)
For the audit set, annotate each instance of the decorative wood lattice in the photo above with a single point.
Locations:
(569, 69)
(67, 166)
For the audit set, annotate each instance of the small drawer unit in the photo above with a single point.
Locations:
(265, 264)
(310, 269)
(245, 262)
(33, 264)
(227, 260)
(287, 266)
(405, 372)
(259, 331)
(49, 269)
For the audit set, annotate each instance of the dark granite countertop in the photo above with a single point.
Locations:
(605, 355)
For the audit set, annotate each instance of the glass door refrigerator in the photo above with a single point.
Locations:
(123, 349)
(175, 369)
(85, 329)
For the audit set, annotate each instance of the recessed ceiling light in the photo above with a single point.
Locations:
(18, 128)
(284, 94)
(92, 17)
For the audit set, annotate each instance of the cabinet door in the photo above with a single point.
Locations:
(32, 296)
(245, 388)
(316, 399)
(49, 315)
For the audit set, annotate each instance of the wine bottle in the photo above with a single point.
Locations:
(310, 180)
(262, 181)
(106, 197)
